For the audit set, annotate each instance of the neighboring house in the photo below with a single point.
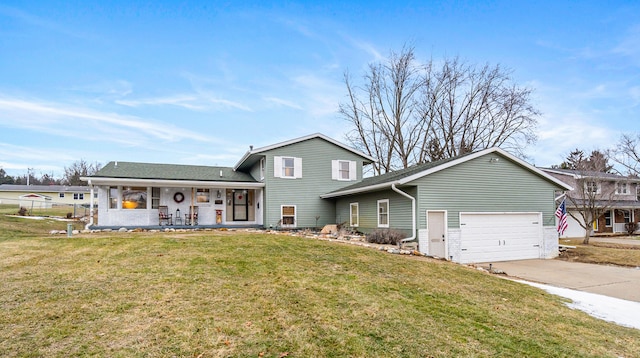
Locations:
(44, 196)
(621, 194)
(484, 206)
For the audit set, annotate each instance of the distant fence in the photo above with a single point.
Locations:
(45, 208)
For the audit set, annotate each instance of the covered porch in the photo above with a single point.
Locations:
(178, 204)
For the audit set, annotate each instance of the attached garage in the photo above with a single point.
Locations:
(500, 236)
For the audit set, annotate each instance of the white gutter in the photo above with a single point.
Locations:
(413, 212)
(86, 227)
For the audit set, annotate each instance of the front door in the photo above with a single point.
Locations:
(240, 207)
(436, 227)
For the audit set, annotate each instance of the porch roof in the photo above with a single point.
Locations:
(164, 173)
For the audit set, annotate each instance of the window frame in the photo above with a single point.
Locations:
(155, 197)
(60, 195)
(380, 213)
(204, 193)
(285, 168)
(608, 222)
(588, 185)
(282, 216)
(619, 184)
(262, 167)
(139, 204)
(355, 223)
(338, 172)
(113, 199)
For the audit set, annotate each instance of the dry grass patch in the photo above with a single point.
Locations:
(602, 253)
(220, 294)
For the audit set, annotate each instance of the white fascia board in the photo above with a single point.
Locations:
(358, 190)
(559, 172)
(173, 183)
(297, 140)
(480, 154)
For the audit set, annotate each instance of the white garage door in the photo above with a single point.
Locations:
(489, 237)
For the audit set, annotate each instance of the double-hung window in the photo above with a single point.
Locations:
(383, 213)
(592, 187)
(343, 170)
(287, 167)
(288, 215)
(354, 215)
(622, 187)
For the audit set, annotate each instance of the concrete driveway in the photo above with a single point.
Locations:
(610, 281)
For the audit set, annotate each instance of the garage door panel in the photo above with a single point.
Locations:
(500, 236)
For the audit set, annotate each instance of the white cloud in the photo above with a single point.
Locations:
(58, 118)
(282, 102)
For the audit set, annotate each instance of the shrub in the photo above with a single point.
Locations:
(631, 228)
(386, 236)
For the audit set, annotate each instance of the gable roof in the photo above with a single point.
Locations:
(405, 176)
(253, 155)
(580, 174)
(166, 173)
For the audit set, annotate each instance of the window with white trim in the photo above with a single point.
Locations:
(113, 197)
(287, 167)
(622, 187)
(61, 195)
(288, 215)
(78, 196)
(203, 195)
(607, 218)
(155, 198)
(343, 170)
(354, 215)
(626, 214)
(383, 213)
(134, 198)
(262, 168)
(592, 187)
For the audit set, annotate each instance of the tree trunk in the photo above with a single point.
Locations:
(587, 236)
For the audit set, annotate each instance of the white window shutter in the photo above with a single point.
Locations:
(277, 167)
(297, 167)
(352, 170)
(334, 169)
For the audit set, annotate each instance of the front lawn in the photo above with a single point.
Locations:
(240, 294)
(601, 253)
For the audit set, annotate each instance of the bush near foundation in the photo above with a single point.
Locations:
(386, 236)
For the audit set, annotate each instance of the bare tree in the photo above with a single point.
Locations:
(409, 113)
(594, 188)
(79, 169)
(627, 153)
(384, 111)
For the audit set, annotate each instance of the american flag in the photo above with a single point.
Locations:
(561, 214)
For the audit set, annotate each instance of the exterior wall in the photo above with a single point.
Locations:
(479, 185)
(13, 197)
(149, 216)
(399, 210)
(305, 192)
(550, 243)
(454, 244)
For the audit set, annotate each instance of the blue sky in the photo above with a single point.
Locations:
(198, 82)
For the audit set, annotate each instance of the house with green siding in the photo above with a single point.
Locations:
(483, 206)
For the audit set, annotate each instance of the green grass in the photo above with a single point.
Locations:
(239, 294)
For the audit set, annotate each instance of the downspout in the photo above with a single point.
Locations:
(413, 213)
(86, 227)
